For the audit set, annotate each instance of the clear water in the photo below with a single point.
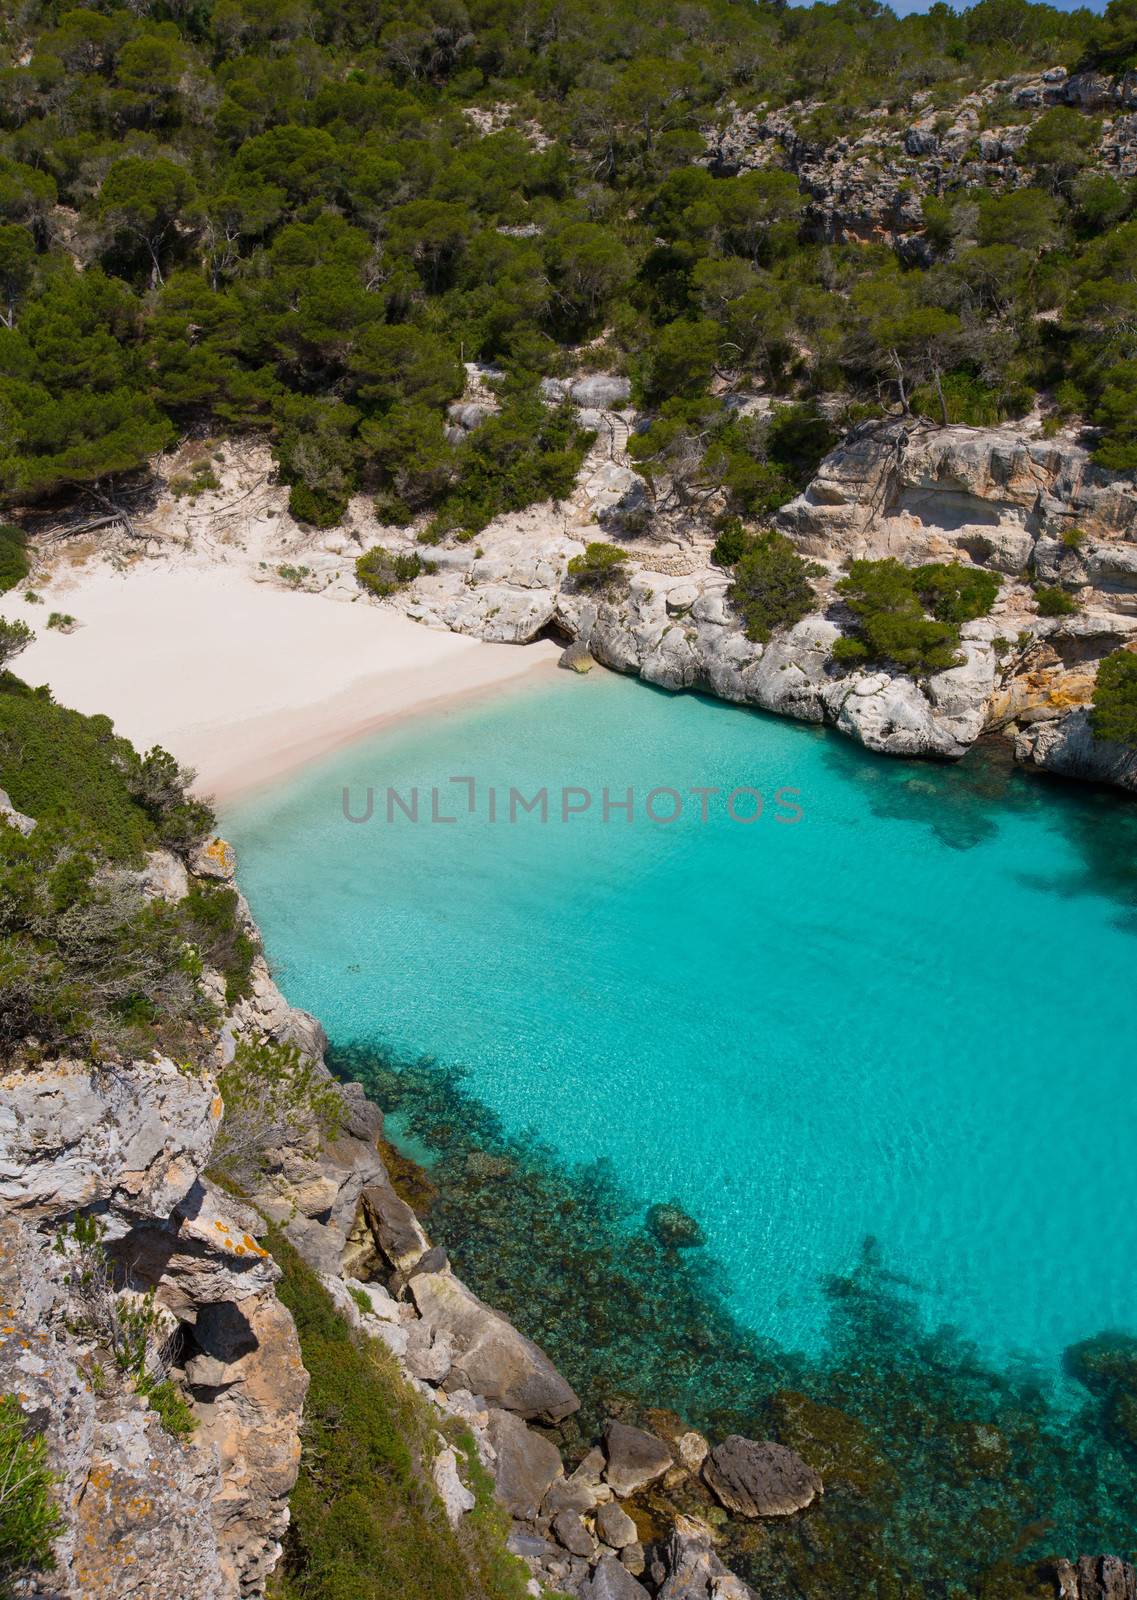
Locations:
(907, 1015)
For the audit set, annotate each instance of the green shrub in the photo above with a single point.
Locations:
(600, 566)
(771, 586)
(273, 1094)
(383, 572)
(171, 1407)
(320, 508)
(732, 543)
(211, 914)
(29, 1517)
(64, 768)
(61, 621)
(890, 602)
(1054, 602)
(1114, 713)
(14, 564)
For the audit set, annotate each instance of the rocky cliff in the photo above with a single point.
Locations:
(1032, 509)
(867, 183)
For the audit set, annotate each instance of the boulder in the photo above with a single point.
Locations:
(490, 1357)
(214, 859)
(394, 1227)
(456, 1498)
(576, 657)
(571, 1532)
(600, 392)
(525, 1467)
(635, 1457)
(612, 1581)
(615, 1527)
(758, 1478)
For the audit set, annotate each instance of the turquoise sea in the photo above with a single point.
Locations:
(897, 1007)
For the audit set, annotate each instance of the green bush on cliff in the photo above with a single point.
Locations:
(87, 963)
(890, 602)
(366, 1521)
(600, 566)
(383, 572)
(1052, 601)
(771, 586)
(29, 1516)
(1114, 713)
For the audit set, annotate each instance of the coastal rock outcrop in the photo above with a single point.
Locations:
(694, 1571)
(490, 1357)
(1068, 748)
(1032, 509)
(126, 1145)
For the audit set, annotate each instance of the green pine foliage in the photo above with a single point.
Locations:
(771, 585)
(890, 604)
(1114, 713)
(287, 221)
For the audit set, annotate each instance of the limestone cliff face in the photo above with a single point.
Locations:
(1029, 508)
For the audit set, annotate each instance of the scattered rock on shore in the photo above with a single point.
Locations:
(635, 1457)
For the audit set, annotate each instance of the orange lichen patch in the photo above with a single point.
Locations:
(251, 1244)
(217, 1106)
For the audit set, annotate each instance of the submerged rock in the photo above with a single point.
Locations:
(758, 1478)
(674, 1227)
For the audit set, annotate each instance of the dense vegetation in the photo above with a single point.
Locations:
(1114, 714)
(366, 1523)
(274, 214)
(890, 604)
(87, 962)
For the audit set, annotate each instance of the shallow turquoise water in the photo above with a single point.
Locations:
(907, 1015)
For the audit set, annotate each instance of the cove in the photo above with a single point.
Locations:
(895, 1030)
(907, 1016)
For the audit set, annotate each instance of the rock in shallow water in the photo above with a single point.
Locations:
(758, 1478)
(634, 1457)
(672, 1226)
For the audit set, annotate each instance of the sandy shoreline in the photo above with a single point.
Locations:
(245, 681)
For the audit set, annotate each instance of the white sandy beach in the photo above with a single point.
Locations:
(243, 680)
